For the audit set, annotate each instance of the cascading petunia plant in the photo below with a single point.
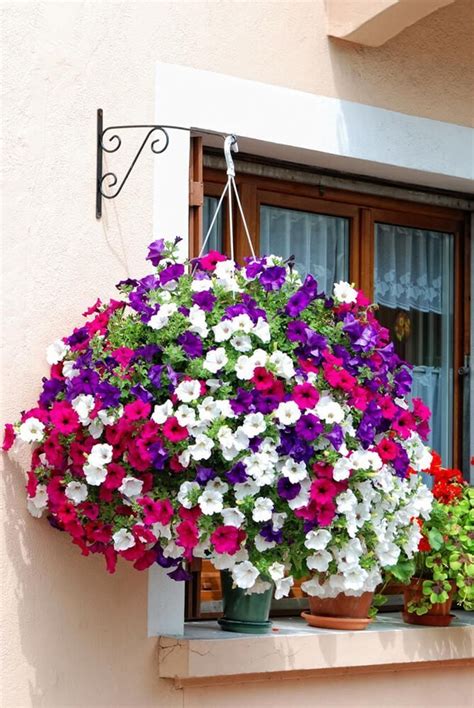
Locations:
(234, 413)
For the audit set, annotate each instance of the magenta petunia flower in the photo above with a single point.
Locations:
(305, 396)
(227, 539)
(174, 431)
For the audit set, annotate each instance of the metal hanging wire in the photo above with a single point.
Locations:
(230, 144)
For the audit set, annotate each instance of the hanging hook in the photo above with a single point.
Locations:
(230, 143)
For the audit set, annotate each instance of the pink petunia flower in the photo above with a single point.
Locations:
(173, 431)
(64, 418)
(227, 539)
(187, 535)
(9, 437)
(305, 396)
(210, 260)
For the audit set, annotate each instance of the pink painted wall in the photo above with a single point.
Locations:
(71, 634)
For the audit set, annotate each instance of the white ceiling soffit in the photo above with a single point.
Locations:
(281, 123)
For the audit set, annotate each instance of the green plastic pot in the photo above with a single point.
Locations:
(244, 613)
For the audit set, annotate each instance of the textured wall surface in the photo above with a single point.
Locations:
(72, 635)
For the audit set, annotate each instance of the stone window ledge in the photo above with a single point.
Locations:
(205, 653)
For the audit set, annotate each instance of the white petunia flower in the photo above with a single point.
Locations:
(76, 492)
(201, 285)
(83, 405)
(215, 360)
(317, 540)
(223, 331)
(283, 364)
(37, 504)
(288, 413)
(328, 410)
(319, 561)
(262, 330)
(211, 502)
(131, 487)
(184, 491)
(346, 502)
(123, 540)
(100, 455)
(276, 571)
(354, 578)
(163, 315)
(233, 517)
(225, 409)
(254, 424)
(262, 510)
(242, 324)
(344, 293)
(197, 319)
(262, 545)
(259, 358)
(387, 552)
(342, 469)
(186, 416)
(241, 342)
(95, 475)
(244, 575)
(283, 587)
(246, 489)
(96, 428)
(208, 409)
(69, 370)
(56, 352)
(32, 430)
(294, 471)
(172, 550)
(244, 367)
(202, 448)
(188, 391)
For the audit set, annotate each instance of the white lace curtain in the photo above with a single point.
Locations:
(318, 242)
(414, 271)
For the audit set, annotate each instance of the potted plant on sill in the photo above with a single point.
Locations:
(444, 565)
(234, 413)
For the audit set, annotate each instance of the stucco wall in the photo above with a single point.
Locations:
(72, 635)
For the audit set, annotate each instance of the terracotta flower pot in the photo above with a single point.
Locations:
(242, 612)
(340, 612)
(437, 616)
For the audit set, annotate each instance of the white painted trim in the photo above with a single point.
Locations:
(278, 122)
(329, 132)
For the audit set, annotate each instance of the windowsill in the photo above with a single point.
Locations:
(205, 651)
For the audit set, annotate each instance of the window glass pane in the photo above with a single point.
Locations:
(414, 288)
(318, 242)
(214, 242)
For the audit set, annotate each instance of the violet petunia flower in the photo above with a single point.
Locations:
(288, 490)
(273, 278)
(155, 251)
(191, 344)
(297, 303)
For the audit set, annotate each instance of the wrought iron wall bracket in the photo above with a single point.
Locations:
(108, 185)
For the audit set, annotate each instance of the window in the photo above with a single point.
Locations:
(411, 258)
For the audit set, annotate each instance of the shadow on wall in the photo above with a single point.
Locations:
(411, 71)
(76, 635)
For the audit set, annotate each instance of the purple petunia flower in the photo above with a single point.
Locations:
(172, 272)
(310, 286)
(140, 392)
(273, 278)
(237, 474)
(297, 303)
(288, 490)
(51, 388)
(204, 474)
(335, 436)
(205, 300)
(162, 560)
(296, 331)
(270, 534)
(155, 251)
(158, 454)
(191, 344)
(154, 374)
(180, 574)
(309, 427)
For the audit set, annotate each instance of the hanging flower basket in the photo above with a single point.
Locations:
(236, 414)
